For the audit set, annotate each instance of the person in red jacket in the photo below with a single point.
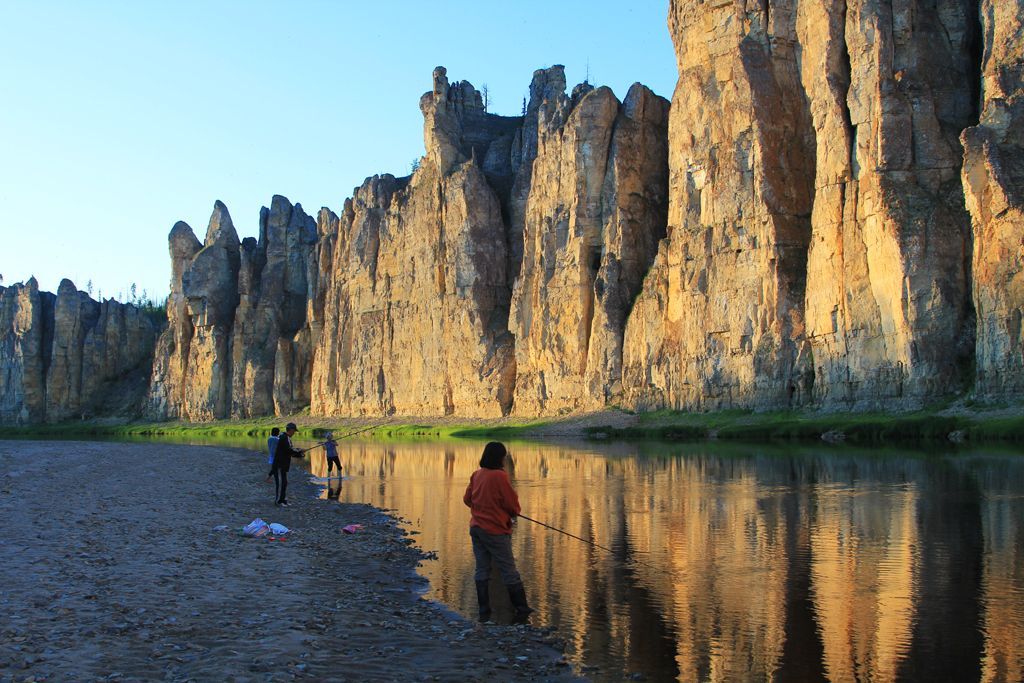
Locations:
(494, 505)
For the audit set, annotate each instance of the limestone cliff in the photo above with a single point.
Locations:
(274, 288)
(818, 243)
(889, 317)
(415, 317)
(993, 179)
(237, 319)
(26, 334)
(192, 370)
(594, 215)
(829, 214)
(68, 356)
(720, 319)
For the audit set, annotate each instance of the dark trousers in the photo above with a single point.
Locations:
(281, 484)
(331, 464)
(496, 547)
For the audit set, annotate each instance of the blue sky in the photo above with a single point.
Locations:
(119, 118)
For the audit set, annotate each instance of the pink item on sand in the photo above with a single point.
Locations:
(351, 528)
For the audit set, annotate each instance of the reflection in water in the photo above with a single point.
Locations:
(757, 564)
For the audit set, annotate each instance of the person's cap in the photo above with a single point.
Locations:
(291, 425)
(329, 435)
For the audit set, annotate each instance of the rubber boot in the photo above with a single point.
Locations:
(517, 594)
(484, 598)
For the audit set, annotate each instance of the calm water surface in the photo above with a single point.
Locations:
(738, 563)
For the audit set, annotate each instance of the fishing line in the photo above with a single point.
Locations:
(344, 436)
(596, 545)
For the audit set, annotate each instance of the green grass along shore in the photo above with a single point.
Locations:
(1003, 424)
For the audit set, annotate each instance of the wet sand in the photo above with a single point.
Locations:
(111, 570)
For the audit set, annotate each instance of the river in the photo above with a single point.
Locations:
(733, 562)
(737, 562)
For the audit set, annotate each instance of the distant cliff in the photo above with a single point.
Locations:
(66, 356)
(829, 214)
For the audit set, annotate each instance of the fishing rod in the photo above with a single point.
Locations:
(344, 436)
(596, 545)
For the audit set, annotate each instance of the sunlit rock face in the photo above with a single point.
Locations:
(890, 88)
(70, 357)
(595, 211)
(993, 180)
(720, 320)
(818, 241)
(828, 215)
(415, 314)
(555, 214)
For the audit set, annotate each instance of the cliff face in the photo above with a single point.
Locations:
(889, 315)
(720, 322)
(993, 180)
(415, 315)
(192, 369)
(67, 356)
(26, 334)
(830, 214)
(401, 304)
(237, 315)
(594, 214)
(274, 283)
(818, 241)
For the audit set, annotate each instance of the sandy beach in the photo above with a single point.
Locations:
(112, 570)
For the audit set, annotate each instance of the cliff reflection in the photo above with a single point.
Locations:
(753, 564)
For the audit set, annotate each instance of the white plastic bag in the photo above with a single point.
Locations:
(278, 529)
(256, 528)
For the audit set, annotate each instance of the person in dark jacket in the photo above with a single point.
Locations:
(494, 505)
(283, 455)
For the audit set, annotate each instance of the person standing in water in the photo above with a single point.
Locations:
(283, 455)
(331, 446)
(272, 447)
(494, 505)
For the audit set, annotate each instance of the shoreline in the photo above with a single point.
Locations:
(951, 424)
(116, 570)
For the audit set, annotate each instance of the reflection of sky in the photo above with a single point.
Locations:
(754, 564)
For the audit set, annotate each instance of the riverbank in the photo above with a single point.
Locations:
(956, 423)
(113, 569)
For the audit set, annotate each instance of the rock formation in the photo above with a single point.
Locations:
(237, 342)
(830, 214)
(594, 215)
(26, 335)
(719, 322)
(274, 288)
(889, 318)
(68, 357)
(993, 180)
(415, 320)
(818, 239)
(192, 370)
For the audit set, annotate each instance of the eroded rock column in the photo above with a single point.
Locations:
(993, 180)
(888, 312)
(719, 322)
(192, 370)
(26, 327)
(595, 211)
